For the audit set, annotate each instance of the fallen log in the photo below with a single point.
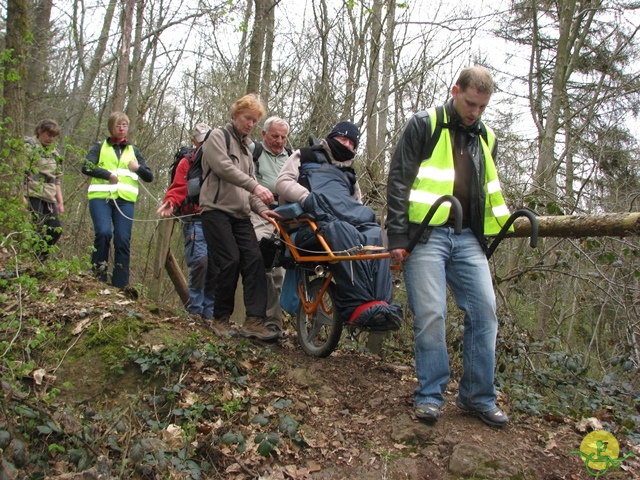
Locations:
(580, 226)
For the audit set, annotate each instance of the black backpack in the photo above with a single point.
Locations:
(180, 154)
(257, 151)
(194, 175)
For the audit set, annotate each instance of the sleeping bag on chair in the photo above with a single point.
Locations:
(364, 287)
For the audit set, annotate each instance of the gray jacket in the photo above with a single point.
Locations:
(229, 177)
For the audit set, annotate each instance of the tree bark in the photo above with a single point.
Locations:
(15, 69)
(177, 278)
(371, 96)
(122, 77)
(136, 73)
(38, 54)
(81, 94)
(256, 47)
(269, 37)
(580, 226)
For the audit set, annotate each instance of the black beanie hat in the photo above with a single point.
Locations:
(346, 129)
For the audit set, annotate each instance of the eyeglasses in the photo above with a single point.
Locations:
(123, 125)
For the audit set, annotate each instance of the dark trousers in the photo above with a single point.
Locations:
(233, 249)
(45, 216)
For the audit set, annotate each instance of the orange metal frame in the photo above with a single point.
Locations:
(324, 256)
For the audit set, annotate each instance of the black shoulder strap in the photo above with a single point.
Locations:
(288, 150)
(227, 138)
(201, 153)
(435, 136)
(257, 151)
(483, 132)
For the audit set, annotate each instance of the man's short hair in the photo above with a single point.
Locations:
(277, 120)
(250, 102)
(478, 77)
(49, 126)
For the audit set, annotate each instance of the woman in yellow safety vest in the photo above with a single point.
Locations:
(115, 166)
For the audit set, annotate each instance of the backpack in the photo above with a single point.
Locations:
(180, 154)
(194, 174)
(257, 151)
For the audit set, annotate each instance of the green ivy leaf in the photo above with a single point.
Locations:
(265, 448)
(288, 425)
(44, 430)
(229, 438)
(260, 420)
(282, 403)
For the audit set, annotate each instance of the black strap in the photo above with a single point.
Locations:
(435, 136)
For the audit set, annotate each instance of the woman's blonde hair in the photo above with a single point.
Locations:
(115, 119)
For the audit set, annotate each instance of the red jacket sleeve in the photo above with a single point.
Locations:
(177, 191)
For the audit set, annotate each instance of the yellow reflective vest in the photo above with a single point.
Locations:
(435, 179)
(127, 186)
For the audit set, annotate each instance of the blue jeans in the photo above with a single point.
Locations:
(104, 214)
(459, 262)
(201, 282)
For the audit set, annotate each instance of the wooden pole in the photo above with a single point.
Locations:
(176, 276)
(165, 259)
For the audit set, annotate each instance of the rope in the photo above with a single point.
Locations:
(350, 251)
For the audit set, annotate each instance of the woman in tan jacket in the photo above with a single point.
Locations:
(228, 194)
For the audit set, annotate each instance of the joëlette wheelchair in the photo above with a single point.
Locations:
(318, 324)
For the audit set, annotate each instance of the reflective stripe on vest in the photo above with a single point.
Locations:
(435, 179)
(127, 186)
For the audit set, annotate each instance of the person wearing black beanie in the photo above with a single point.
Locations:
(322, 180)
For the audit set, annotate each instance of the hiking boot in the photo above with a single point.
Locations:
(494, 417)
(255, 327)
(274, 324)
(427, 412)
(221, 326)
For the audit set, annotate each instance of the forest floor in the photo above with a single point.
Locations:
(176, 402)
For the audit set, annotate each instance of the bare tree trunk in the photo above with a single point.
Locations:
(38, 53)
(371, 97)
(15, 70)
(387, 69)
(122, 77)
(269, 37)
(579, 226)
(80, 97)
(136, 72)
(256, 46)
(321, 103)
(242, 48)
(545, 177)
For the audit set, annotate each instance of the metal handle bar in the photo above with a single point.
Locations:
(455, 204)
(505, 229)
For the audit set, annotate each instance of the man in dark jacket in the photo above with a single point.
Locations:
(461, 163)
